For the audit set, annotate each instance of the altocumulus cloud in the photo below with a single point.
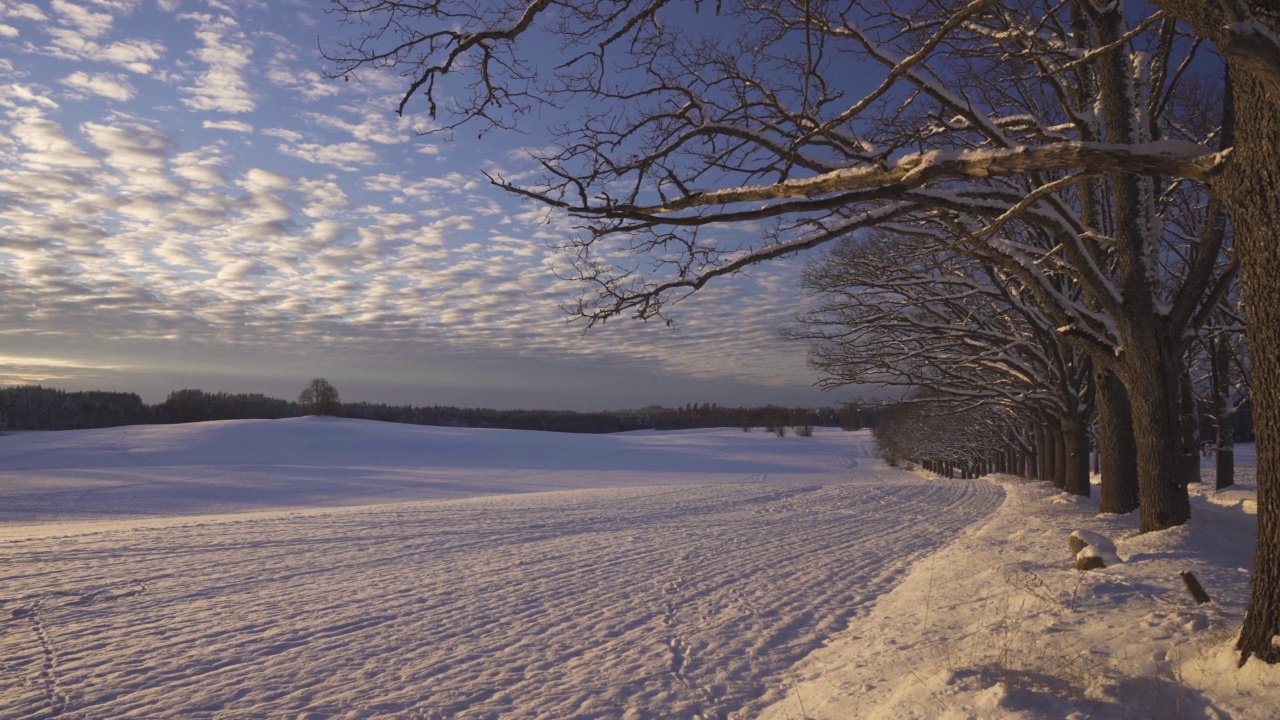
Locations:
(113, 86)
(193, 182)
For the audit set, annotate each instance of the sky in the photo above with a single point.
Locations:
(186, 201)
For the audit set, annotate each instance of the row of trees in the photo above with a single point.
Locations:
(32, 407)
(897, 310)
(1099, 172)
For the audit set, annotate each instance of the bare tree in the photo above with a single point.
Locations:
(320, 398)
(1223, 382)
(948, 436)
(896, 310)
(684, 132)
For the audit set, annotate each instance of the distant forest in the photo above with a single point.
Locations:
(32, 407)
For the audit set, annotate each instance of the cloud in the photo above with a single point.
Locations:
(15, 95)
(47, 145)
(240, 270)
(259, 179)
(321, 198)
(130, 147)
(382, 128)
(86, 21)
(24, 11)
(108, 85)
(292, 136)
(203, 167)
(310, 84)
(123, 228)
(226, 52)
(134, 55)
(282, 71)
(28, 370)
(230, 125)
(345, 156)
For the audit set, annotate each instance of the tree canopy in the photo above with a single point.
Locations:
(320, 398)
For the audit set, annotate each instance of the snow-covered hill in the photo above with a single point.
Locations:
(160, 470)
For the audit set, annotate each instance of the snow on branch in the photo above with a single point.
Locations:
(1252, 43)
(1161, 157)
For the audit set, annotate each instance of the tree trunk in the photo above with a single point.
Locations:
(1152, 378)
(1225, 454)
(1224, 421)
(1190, 431)
(1057, 454)
(1249, 184)
(1251, 188)
(1116, 447)
(1076, 456)
(1042, 452)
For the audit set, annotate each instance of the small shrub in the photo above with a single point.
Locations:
(780, 430)
(805, 430)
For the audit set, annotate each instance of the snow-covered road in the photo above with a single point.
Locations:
(646, 591)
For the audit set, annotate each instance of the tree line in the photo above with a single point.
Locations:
(32, 407)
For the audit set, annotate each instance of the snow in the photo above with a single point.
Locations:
(999, 624)
(321, 568)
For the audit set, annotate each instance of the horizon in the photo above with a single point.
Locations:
(153, 401)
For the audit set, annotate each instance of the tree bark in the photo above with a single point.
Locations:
(1042, 452)
(1058, 453)
(1249, 184)
(1190, 431)
(1225, 454)
(1116, 447)
(1152, 375)
(1251, 188)
(1076, 456)
(1150, 362)
(1224, 420)
(1059, 438)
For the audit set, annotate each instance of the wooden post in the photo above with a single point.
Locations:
(1194, 587)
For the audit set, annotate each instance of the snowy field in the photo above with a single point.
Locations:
(320, 568)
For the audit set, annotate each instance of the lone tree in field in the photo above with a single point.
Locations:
(678, 130)
(320, 398)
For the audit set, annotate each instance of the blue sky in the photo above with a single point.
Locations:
(187, 202)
